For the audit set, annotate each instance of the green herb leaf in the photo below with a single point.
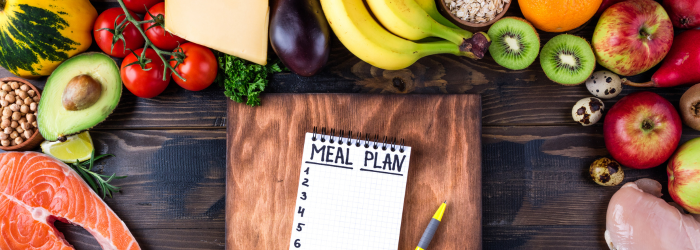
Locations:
(244, 81)
(98, 182)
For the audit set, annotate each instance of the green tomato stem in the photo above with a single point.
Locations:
(159, 52)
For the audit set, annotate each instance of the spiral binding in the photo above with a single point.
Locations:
(387, 143)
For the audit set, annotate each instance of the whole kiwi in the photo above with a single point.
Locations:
(690, 107)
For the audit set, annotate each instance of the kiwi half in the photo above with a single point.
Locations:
(567, 59)
(515, 43)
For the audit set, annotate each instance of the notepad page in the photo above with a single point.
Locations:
(349, 197)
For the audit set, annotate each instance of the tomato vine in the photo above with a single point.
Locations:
(142, 59)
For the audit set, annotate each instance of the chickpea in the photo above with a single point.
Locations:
(34, 124)
(5, 143)
(5, 123)
(24, 109)
(4, 102)
(18, 140)
(19, 130)
(3, 93)
(16, 116)
(6, 112)
(24, 125)
(19, 102)
(30, 118)
(27, 100)
(10, 98)
(22, 94)
(31, 93)
(14, 135)
(24, 87)
(14, 124)
(32, 106)
(14, 85)
(4, 136)
(35, 98)
(6, 87)
(28, 133)
(14, 107)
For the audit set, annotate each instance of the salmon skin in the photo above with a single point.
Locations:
(36, 190)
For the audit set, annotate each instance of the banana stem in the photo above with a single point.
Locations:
(440, 47)
(634, 84)
(159, 52)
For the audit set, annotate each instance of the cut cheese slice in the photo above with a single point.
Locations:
(235, 27)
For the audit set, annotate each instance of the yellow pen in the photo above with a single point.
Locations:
(432, 227)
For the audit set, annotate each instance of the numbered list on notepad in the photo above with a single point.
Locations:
(350, 195)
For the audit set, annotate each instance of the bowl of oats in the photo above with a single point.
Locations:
(475, 15)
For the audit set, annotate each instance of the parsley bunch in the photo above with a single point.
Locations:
(244, 81)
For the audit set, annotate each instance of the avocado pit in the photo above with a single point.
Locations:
(81, 92)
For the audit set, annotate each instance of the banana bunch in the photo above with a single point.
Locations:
(408, 21)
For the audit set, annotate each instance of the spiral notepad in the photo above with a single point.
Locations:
(351, 192)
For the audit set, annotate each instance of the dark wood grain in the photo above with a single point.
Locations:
(264, 159)
(536, 192)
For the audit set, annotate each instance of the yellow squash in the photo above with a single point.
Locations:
(37, 35)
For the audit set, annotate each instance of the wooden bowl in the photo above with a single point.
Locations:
(36, 138)
(473, 27)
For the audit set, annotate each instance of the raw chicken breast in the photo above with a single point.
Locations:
(638, 220)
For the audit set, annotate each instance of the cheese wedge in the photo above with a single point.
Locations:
(235, 27)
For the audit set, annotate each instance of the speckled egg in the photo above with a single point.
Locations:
(588, 111)
(606, 172)
(604, 84)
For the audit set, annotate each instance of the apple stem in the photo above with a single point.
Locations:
(646, 125)
(634, 84)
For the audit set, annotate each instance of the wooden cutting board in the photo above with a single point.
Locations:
(264, 154)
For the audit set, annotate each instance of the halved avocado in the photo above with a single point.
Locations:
(90, 80)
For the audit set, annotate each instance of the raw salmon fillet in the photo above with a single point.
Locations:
(36, 190)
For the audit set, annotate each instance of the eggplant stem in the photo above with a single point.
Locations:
(635, 84)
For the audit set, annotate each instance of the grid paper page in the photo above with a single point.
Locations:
(349, 197)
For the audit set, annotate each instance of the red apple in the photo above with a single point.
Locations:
(605, 5)
(684, 176)
(685, 14)
(642, 130)
(632, 36)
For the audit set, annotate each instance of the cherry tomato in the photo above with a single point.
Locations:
(158, 36)
(133, 38)
(199, 67)
(140, 6)
(145, 84)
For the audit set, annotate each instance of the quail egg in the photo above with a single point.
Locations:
(604, 84)
(606, 172)
(588, 111)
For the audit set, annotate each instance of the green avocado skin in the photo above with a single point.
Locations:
(30, 35)
(54, 121)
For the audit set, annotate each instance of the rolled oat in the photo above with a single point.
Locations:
(476, 11)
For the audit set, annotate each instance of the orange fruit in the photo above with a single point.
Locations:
(558, 15)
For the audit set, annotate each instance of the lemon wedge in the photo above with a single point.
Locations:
(75, 147)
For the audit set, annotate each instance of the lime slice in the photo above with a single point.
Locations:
(75, 147)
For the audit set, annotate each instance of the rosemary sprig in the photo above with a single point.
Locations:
(95, 180)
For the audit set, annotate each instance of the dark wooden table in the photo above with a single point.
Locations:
(536, 189)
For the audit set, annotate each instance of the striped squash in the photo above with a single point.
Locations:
(37, 35)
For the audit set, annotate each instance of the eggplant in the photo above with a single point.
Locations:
(300, 35)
